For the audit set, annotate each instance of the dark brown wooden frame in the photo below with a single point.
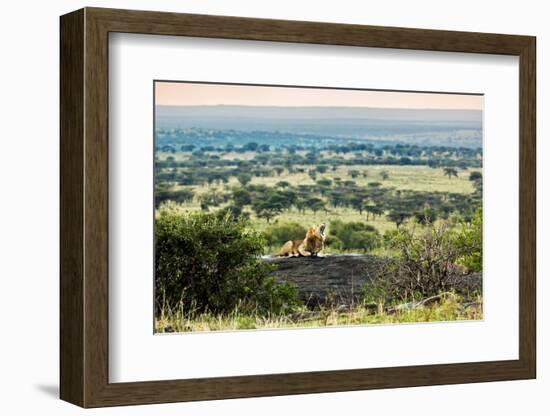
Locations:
(84, 208)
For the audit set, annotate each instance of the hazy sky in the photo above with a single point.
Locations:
(181, 93)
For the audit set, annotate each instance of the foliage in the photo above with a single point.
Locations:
(427, 258)
(470, 241)
(209, 263)
(450, 172)
(163, 194)
(430, 258)
(278, 234)
(244, 178)
(355, 235)
(475, 176)
(334, 242)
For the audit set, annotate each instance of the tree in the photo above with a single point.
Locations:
(187, 147)
(354, 173)
(241, 197)
(315, 204)
(282, 184)
(168, 149)
(163, 194)
(475, 176)
(374, 210)
(250, 147)
(322, 168)
(213, 198)
(426, 216)
(398, 216)
(450, 172)
(357, 202)
(244, 178)
(268, 207)
(325, 182)
(279, 170)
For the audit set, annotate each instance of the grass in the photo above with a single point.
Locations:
(451, 308)
(416, 178)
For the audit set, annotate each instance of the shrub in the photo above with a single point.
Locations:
(428, 258)
(470, 241)
(279, 234)
(333, 242)
(389, 237)
(355, 235)
(210, 263)
(363, 240)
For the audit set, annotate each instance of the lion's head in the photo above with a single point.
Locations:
(322, 228)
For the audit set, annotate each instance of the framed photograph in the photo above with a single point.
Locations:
(256, 207)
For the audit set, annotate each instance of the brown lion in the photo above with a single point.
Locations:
(311, 246)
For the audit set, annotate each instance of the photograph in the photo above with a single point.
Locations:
(283, 207)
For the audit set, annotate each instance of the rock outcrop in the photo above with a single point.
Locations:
(340, 279)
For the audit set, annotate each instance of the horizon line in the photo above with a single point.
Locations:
(319, 106)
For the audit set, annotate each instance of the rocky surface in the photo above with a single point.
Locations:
(339, 279)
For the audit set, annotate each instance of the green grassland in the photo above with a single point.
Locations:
(414, 178)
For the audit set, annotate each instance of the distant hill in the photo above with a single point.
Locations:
(418, 126)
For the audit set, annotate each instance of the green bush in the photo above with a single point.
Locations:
(389, 238)
(470, 241)
(355, 235)
(210, 263)
(333, 242)
(277, 235)
(363, 240)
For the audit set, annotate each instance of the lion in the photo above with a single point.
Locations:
(311, 246)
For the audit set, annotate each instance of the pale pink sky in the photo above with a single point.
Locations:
(180, 93)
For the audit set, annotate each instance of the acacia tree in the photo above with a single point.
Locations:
(357, 202)
(315, 204)
(450, 172)
(271, 206)
(374, 210)
(398, 216)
